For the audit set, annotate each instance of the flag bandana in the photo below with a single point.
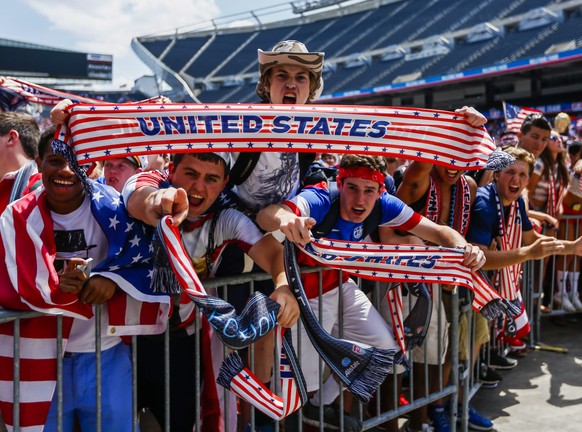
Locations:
(409, 263)
(107, 131)
(238, 332)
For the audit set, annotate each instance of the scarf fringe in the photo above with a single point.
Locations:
(163, 277)
(231, 367)
(375, 372)
(493, 309)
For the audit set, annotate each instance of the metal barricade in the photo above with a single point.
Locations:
(373, 414)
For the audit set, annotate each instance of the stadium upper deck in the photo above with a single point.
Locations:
(389, 48)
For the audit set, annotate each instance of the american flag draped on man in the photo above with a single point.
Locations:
(30, 282)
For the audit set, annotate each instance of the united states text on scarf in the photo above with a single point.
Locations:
(30, 282)
(438, 137)
(238, 332)
(409, 263)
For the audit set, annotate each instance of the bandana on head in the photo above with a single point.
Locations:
(363, 173)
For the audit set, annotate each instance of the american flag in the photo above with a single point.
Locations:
(30, 282)
(515, 115)
(439, 137)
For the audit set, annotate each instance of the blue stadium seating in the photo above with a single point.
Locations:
(395, 23)
(182, 51)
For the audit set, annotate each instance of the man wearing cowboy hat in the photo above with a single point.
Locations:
(289, 74)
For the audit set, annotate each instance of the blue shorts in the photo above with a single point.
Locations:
(80, 387)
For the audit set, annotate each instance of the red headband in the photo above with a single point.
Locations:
(362, 172)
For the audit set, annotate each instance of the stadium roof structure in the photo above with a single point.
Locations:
(53, 66)
(431, 53)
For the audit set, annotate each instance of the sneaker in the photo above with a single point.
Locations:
(402, 401)
(441, 418)
(514, 344)
(425, 428)
(488, 377)
(331, 418)
(498, 362)
(477, 421)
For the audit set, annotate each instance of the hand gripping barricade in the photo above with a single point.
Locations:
(238, 332)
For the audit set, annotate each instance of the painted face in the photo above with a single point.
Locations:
(535, 141)
(511, 181)
(203, 181)
(289, 84)
(357, 199)
(64, 190)
(117, 171)
(448, 176)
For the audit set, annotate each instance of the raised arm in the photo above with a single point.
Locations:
(147, 202)
(278, 216)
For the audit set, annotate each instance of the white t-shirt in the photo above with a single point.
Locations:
(78, 234)
(232, 226)
(274, 179)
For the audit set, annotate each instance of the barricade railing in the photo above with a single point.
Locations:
(373, 414)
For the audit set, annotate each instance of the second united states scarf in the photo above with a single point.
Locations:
(410, 263)
(439, 137)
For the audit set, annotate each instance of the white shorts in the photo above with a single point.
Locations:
(361, 323)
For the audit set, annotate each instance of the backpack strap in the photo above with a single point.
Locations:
(243, 167)
(323, 228)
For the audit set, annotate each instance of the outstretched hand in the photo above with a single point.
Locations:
(296, 228)
(170, 201)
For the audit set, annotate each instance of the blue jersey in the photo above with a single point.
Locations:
(484, 225)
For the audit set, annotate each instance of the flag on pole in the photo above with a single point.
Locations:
(515, 115)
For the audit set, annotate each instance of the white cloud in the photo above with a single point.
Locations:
(107, 26)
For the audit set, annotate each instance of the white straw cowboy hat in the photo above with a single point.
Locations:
(291, 52)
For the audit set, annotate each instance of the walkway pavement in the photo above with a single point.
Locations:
(544, 391)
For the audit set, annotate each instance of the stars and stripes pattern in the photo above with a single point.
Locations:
(439, 137)
(30, 282)
(515, 115)
(248, 387)
(405, 263)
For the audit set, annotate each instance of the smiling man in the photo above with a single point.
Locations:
(360, 182)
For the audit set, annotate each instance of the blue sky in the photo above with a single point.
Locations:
(107, 26)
